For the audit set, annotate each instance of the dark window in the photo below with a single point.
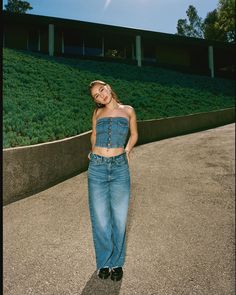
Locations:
(73, 43)
(93, 45)
(33, 40)
(149, 50)
(118, 47)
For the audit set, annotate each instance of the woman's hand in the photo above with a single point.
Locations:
(127, 155)
(89, 155)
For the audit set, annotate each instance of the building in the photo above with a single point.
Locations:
(64, 37)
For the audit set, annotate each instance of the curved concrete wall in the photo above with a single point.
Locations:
(30, 169)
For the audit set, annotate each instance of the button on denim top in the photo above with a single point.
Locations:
(111, 132)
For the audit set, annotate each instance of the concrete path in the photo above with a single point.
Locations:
(180, 232)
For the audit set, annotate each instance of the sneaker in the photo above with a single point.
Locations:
(116, 273)
(104, 273)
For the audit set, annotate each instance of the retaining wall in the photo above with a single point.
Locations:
(30, 169)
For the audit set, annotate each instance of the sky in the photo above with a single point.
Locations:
(153, 15)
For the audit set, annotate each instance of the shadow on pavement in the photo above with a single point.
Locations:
(101, 287)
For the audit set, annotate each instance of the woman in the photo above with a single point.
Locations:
(109, 177)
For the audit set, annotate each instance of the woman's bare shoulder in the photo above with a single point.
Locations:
(128, 109)
(97, 113)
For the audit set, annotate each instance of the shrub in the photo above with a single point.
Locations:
(47, 98)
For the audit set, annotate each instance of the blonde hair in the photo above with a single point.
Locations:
(113, 94)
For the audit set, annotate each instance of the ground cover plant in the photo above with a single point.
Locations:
(46, 98)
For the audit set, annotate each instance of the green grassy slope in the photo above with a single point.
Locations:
(47, 98)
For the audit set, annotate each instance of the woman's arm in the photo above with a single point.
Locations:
(93, 134)
(133, 132)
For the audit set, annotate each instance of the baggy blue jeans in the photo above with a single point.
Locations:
(109, 195)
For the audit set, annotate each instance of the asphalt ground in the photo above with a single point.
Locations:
(180, 229)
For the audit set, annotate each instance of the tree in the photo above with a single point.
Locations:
(226, 19)
(17, 6)
(219, 24)
(195, 26)
(211, 32)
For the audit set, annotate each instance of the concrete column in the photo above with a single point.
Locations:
(133, 55)
(211, 60)
(103, 48)
(39, 41)
(3, 39)
(62, 43)
(51, 39)
(138, 50)
(27, 42)
(83, 49)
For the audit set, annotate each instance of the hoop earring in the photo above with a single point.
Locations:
(99, 105)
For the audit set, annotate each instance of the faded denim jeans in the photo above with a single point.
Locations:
(109, 195)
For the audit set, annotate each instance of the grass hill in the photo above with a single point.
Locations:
(46, 98)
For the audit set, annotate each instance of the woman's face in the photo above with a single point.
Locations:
(101, 93)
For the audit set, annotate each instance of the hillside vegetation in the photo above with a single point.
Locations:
(47, 98)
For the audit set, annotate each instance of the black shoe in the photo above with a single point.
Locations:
(104, 273)
(116, 273)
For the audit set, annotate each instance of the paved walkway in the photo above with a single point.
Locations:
(180, 233)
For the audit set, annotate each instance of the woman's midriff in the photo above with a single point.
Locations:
(105, 152)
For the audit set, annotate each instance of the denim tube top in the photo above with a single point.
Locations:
(111, 132)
